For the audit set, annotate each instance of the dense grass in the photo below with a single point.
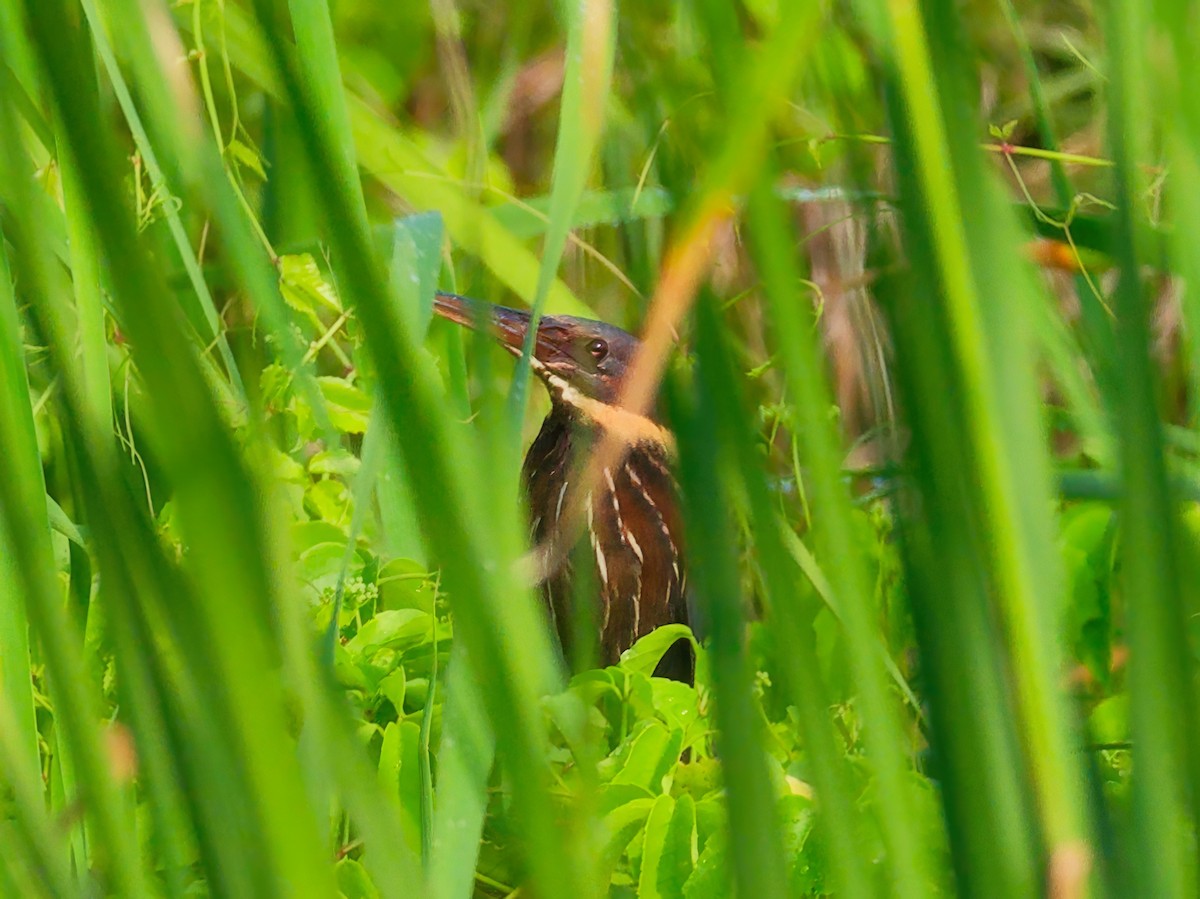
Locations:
(910, 277)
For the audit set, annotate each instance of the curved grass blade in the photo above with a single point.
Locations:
(591, 43)
(22, 501)
(212, 491)
(1009, 492)
(802, 672)
(15, 682)
(1162, 667)
(492, 607)
(704, 476)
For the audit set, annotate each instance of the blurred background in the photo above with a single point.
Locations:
(931, 371)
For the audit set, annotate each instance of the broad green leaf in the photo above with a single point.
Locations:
(349, 408)
(390, 628)
(621, 825)
(711, 877)
(304, 286)
(354, 882)
(680, 849)
(416, 261)
(645, 654)
(649, 755)
(657, 825)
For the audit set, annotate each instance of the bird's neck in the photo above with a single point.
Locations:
(593, 417)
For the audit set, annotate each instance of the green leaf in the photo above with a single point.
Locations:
(400, 773)
(304, 287)
(246, 156)
(651, 753)
(337, 461)
(353, 881)
(677, 858)
(416, 261)
(349, 408)
(657, 825)
(620, 826)
(393, 688)
(390, 629)
(678, 705)
(645, 654)
(711, 878)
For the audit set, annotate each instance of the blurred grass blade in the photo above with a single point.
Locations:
(1182, 143)
(591, 43)
(193, 161)
(1162, 669)
(908, 857)
(211, 485)
(754, 831)
(203, 297)
(991, 356)
(496, 617)
(396, 162)
(35, 840)
(464, 763)
(89, 303)
(807, 563)
(318, 66)
(23, 504)
(15, 680)
(802, 668)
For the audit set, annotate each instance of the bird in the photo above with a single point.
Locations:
(633, 526)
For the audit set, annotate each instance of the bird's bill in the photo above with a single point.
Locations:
(509, 326)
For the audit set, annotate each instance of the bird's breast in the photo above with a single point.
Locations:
(632, 534)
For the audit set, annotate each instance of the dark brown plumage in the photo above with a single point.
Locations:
(633, 531)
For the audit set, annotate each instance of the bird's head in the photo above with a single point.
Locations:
(573, 357)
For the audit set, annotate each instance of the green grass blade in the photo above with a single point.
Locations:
(802, 669)
(591, 43)
(211, 488)
(33, 840)
(465, 761)
(992, 359)
(89, 303)
(757, 850)
(15, 681)
(179, 236)
(493, 611)
(908, 857)
(194, 162)
(318, 66)
(1182, 129)
(23, 502)
(1162, 691)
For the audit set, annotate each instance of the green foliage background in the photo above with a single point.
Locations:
(263, 627)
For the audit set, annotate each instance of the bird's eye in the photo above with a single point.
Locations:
(598, 348)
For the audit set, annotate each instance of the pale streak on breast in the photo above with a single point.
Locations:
(550, 606)
(558, 506)
(633, 544)
(616, 504)
(662, 522)
(637, 608)
(601, 562)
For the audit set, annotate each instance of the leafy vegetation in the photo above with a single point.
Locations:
(912, 276)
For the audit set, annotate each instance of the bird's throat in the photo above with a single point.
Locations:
(632, 428)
